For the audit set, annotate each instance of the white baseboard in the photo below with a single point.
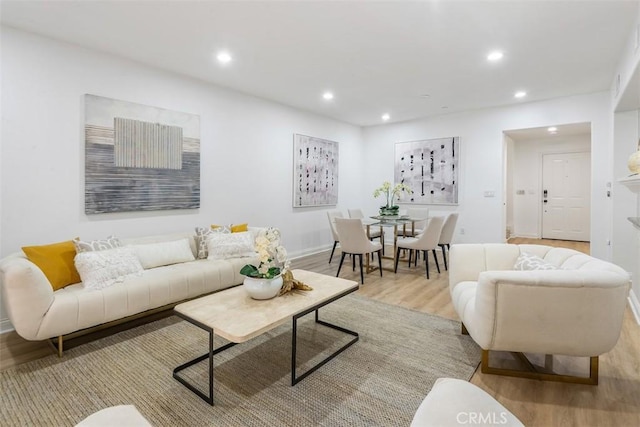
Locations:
(5, 326)
(311, 251)
(524, 236)
(634, 303)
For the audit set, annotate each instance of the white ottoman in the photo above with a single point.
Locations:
(453, 402)
(122, 415)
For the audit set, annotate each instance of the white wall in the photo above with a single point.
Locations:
(625, 93)
(527, 176)
(1, 157)
(246, 149)
(625, 203)
(628, 64)
(481, 162)
(509, 146)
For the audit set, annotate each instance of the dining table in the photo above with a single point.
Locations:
(394, 222)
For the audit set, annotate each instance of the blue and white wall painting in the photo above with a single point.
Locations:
(430, 168)
(139, 158)
(315, 171)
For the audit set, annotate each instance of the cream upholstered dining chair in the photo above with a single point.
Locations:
(373, 234)
(427, 241)
(332, 215)
(419, 226)
(355, 213)
(353, 240)
(447, 235)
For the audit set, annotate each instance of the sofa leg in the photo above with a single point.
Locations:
(593, 369)
(60, 346)
(533, 373)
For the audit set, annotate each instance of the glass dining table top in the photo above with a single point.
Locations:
(394, 219)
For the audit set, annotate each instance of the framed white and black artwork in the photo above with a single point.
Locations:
(430, 168)
(315, 171)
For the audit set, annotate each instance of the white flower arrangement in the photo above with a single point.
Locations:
(391, 193)
(272, 256)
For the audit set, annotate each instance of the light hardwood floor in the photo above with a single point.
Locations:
(614, 402)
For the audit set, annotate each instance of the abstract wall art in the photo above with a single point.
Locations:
(430, 168)
(315, 171)
(139, 158)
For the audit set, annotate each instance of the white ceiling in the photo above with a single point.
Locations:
(377, 57)
(543, 134)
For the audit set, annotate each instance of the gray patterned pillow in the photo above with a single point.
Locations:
(110, 242)
(202, 234)
(527, 262)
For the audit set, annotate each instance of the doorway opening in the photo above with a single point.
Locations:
(547, 189)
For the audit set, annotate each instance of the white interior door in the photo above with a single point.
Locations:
(566, 182)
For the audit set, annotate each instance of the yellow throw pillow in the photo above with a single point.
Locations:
(233, 228)
(239, 228)
(56, 262)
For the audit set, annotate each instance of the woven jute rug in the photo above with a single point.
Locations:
(380, 380)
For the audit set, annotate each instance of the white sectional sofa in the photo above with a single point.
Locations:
(37, 312)
(557, 301)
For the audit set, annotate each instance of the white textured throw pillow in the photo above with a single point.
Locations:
(99, 269)
(527, 262)
(164, 253)
(233, 245)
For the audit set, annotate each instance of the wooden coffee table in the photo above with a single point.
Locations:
(233, 315)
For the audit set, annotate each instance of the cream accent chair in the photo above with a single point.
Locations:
(447, 235)
(332, 215)
(574, 310)
(427, 241)
(353, 240)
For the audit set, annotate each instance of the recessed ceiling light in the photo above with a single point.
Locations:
(425, 95)
(552, 129)
(444, 107)
(223, 57)
(520, 94)
(386, 117)
(496, 55)
(328, 96)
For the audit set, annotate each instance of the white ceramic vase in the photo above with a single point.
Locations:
(262, 288)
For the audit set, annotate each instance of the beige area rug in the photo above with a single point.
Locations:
(380, 380)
